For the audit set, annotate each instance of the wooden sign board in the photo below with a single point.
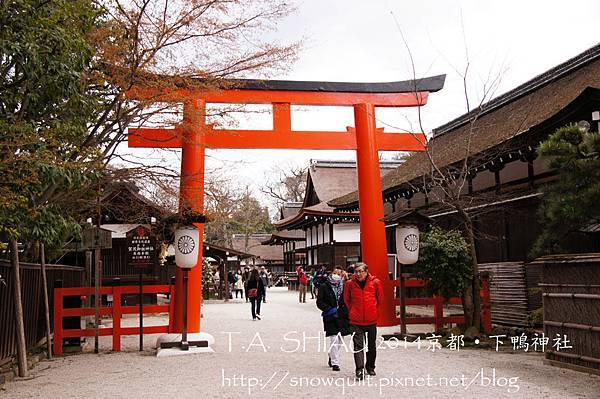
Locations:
(141, 247)
(96, 238)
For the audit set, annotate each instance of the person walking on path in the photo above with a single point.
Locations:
(246, 278)
(231, 279)
(217, 281)
(239, 285)
(363, 295)
(264, 277)
(302, 283)
(330, 301)
(311, 280)
(256, 290)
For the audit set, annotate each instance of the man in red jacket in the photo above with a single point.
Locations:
(302, 283)
(363, 294)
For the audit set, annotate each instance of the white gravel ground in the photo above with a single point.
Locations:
(257, 356)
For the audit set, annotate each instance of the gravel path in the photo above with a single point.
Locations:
(263, 356)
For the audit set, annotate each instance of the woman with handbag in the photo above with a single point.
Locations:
(330, 300)
(256, 290)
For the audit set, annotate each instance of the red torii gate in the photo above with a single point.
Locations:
(194, 135)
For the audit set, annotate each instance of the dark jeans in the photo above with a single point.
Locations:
(241, 293)
(255, 305)
(358, 340)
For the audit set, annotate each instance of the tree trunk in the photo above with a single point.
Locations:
(20, 324)
(46, 305)
(472, 300)
(468, 306)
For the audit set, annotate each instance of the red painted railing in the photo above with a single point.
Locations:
(438, 318)
(116, 311)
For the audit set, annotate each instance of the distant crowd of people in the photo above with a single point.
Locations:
(237, 281)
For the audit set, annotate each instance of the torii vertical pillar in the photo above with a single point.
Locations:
(372, 229)
(191, 197)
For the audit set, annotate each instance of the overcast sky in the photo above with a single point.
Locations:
(361, 41)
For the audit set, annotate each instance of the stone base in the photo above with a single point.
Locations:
(166, 352)
(170, 352)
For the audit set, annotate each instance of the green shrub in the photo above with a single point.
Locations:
(535, 318)
(444, 261)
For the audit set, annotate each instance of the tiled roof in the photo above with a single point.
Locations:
(329, 179)
(256, 248)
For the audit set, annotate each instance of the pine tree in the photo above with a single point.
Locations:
(570, 203)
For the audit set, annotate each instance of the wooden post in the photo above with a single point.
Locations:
(402, 301)
(46, 306)
(116, 312)
(141, 290)
(88, 277)
(184, 341)
(97, 302)
(172, 293)
(58, 318)
(20, 326)
(438, 312)
(372, 229)
(192, 198)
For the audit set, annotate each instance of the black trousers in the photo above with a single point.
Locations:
(255, 305)
(359, 335)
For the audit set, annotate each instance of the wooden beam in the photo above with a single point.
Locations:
(275, 139)
(290, 97)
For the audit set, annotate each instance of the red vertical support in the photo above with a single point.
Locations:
(486, 305)
(116, 315)
(282, 117)
(192, 197)
(171, 308)
(58, 308)
(438, 312)
(372, 229)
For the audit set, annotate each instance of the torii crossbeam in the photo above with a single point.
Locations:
(194, 135)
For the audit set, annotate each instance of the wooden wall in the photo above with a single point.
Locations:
(33, 302)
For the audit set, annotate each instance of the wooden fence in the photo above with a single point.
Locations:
(514, 291)
(33, 302)
(116, 311)
(571, 295)
(438, 319)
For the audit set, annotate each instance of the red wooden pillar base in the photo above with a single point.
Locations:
(372, 229)
(116, 313)
(486, 305)
(58, 318)
(438, 312)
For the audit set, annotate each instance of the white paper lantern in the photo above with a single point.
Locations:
(407, 244)
(186, 246)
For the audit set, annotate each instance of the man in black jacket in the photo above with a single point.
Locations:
(231, 279)
(264, 277)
